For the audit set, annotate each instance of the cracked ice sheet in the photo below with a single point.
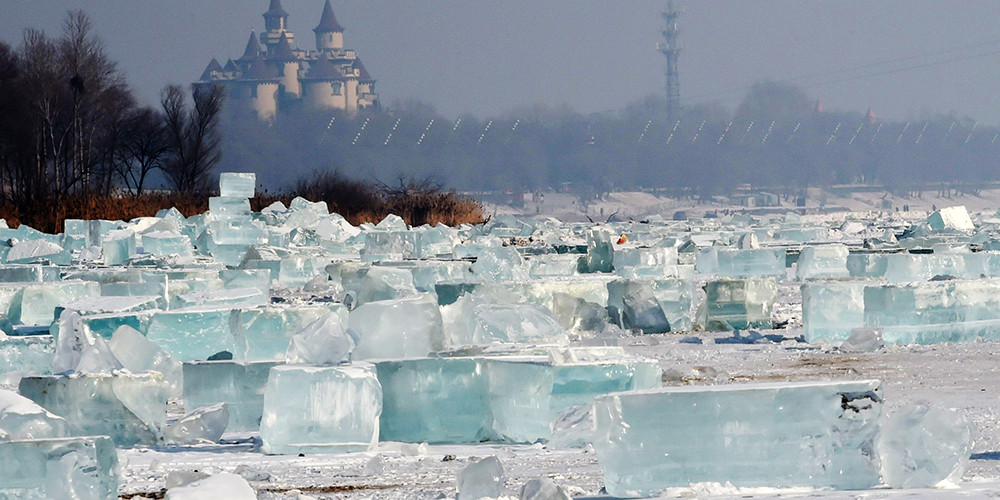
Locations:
(953, 374)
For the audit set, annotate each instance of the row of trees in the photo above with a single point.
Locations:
(775, 139)
(70, 124)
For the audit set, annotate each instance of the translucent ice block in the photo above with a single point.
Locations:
(21, 419)
(937, 311)
(740, 304)
(38, 251)
(473, 320)
(164, 243)
(203, 424)
(240, 384)
(82, 468)
(553, 265)
(831, 309)
(408, 327)
(118, 246)
(385, 283)
(600, 251)
(237, 184)
(263, 332)
(481, 479)
(389, 245)
(234, 297)
(28, 273)
(228, 207)
(922, 445)
(500, 264)
(739, 263)
(434, 400)
(193, 332)
(38, 302)
(323, 342)
(824, 261)
(29, 354)
(527, 394)
(326, 409)
(139, 354)
(811, 434)
(673, 295)
(131, 408)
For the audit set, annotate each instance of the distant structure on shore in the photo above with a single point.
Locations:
(273, 77)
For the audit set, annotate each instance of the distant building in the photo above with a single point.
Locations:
(273, 77)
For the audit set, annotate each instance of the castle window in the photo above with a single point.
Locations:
(337, 88)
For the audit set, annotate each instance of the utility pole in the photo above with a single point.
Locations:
(671, 50)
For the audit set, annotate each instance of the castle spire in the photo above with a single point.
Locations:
(275, 10)
(253, 48)
(284, 51)
(213, 67)
(275, 24)
(328, 22)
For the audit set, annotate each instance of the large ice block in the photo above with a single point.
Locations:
(163, 243)
(329, 409)
(38, 302)
(809, 434)
(645, 261)
(434, 400)
(480, 479)
(28, 354)
(203, 424)
(923, 445)
(237, 184)
(739, 304)
(193, 332)
(937, 311)
(473, 320)
(38, 251)
(500, 264)
(400, 328)
(673, 297)
(385, 283)
(823, 261)
(81, 468)
(235, 297)
(240, 384)
(263, 332)
(740, 263)
(21, 419)
(600, 251)
(951, 218)
(323, 342)
(118, 246)
(131, 408)
(831, 309)
(389, 245)
(138, 354)
(526, 394)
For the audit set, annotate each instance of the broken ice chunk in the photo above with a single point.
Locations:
(138, 354)
(118, 246)
(29, 354)
(543, 489)
(573, 427)
(218, 486)
(477, 321)
(263, 332)
(323, 342)
(237, 184)
(163, 243)
(80, 350)
(313, 409)
(131, 408)
(401, 328)
(236, 297)
(38, 302)
(204, 424)
(831, 309)
(951, 218)
(500, 264)
(386, 283)
(35, 251)
(84, 468)
(481, 479)
(923, 445)
(22, 419)
(863, 340)
(600, 251)
(240, 384)
(812, 434)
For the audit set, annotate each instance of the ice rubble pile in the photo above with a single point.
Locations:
(325, 337)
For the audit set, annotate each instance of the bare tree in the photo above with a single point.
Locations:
(192, 136)
(143, 148)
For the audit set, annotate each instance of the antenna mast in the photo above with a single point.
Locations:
(670, 50)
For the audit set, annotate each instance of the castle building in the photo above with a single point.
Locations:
(272, 76)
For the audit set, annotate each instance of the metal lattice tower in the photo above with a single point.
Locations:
(671, 50)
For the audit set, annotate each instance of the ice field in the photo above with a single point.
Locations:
(287, 354)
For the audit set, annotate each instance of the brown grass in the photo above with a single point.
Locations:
(365, 205)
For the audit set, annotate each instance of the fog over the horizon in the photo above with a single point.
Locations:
(487, 57)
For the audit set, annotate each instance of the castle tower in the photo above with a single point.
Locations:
(275, 25)
(250, 53)
(287, 65)
(214, 71)
(258, 89)
(323, 86)
(329, 33)
(671, 51)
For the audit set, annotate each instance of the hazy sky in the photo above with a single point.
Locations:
(488, 57)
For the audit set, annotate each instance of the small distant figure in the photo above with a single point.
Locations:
(933, 208)
(906, 208)
(622, 239)
(602, 211)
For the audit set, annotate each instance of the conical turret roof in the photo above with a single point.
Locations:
(212, 66)
(230, 67)
(328, 22)
(253, 48)
(362, 72)
(275, 10)
(283, 52)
